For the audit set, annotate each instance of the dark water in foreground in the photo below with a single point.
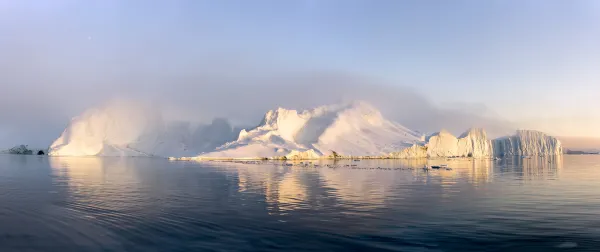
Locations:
(140, 204)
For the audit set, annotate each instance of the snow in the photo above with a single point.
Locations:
(361, 130)
(349, 129)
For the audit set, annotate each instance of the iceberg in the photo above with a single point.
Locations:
(24, 150)
(527, 143)
(474, 143)
(302, 155)
(208, 137)
(129, 128)
(358, 130)
(118, 128)
(349, 129)
(415, 151)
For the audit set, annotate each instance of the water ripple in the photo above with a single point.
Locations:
(114, 204)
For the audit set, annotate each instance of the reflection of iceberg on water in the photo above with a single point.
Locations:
(534, 168)
(103, 182)
(284, 188)
(363, 189)
(78, 170)
(540, 168)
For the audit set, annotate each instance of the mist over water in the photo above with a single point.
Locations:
(242, 101)
(237, 60)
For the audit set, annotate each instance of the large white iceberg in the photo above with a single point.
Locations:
(527, 143)
(359, 130)
(473, 143)
(351, 129)
(130, 128)
(119, 128)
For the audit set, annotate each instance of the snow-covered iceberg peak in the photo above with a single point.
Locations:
(288, 123)
(527, 143)
(285, 121)
(474, 133)
(353, 129)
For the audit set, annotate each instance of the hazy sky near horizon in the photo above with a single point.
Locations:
(532, 63)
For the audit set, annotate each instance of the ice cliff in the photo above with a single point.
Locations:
(474, 143)
(527, 143)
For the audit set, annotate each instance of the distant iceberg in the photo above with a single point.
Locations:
(24, 150)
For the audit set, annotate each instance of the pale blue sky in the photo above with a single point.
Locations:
(522, 59)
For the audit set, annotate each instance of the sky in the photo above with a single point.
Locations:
(427, 64)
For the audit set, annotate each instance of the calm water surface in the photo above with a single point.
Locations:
(143, 204)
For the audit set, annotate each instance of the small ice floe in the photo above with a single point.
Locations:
(567, 245)
(439, 166)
